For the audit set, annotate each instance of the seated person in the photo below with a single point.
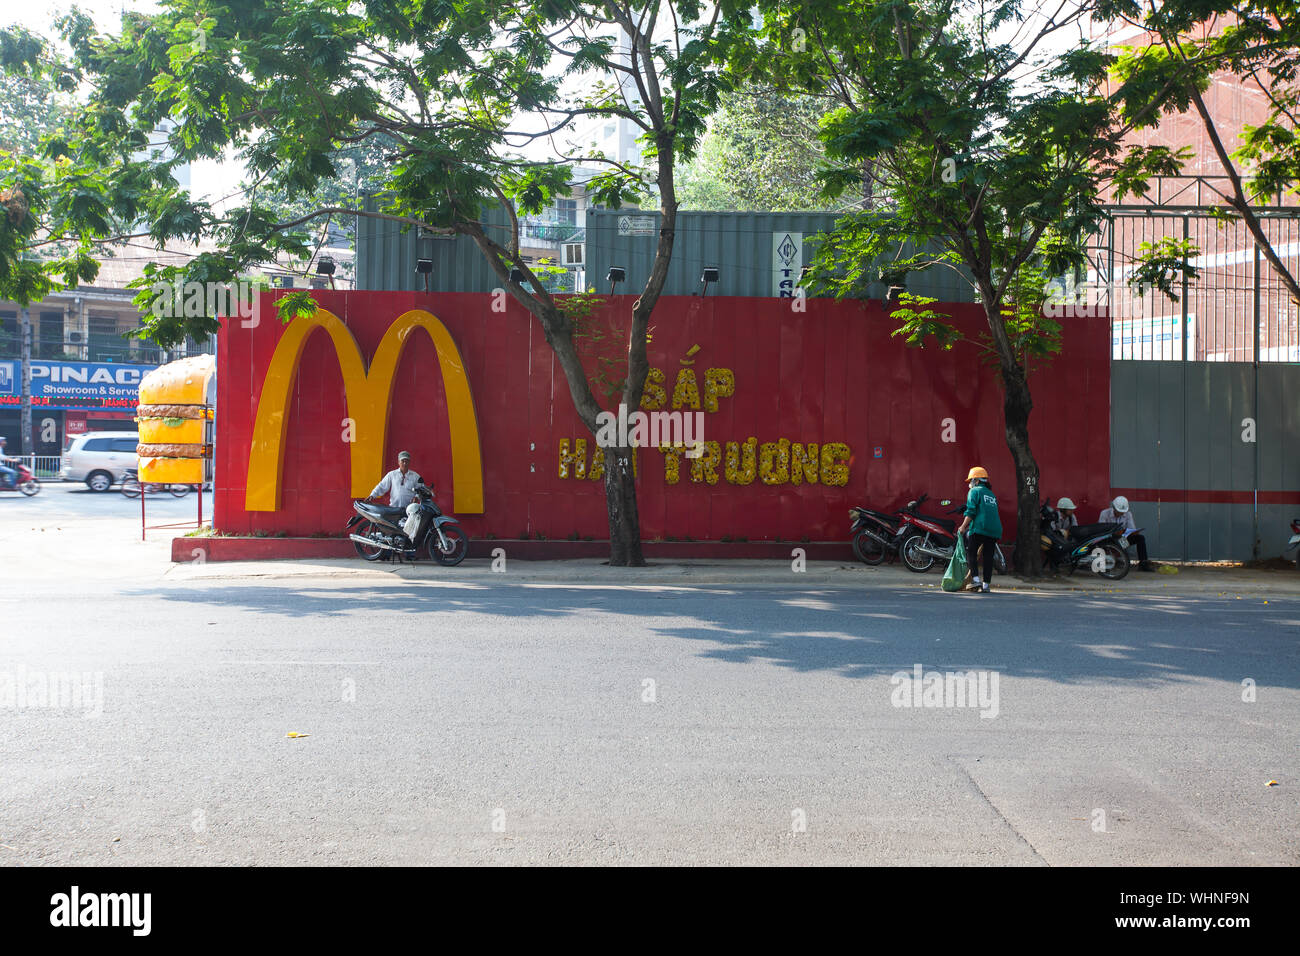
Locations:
(1065, 517)
(1119, 513)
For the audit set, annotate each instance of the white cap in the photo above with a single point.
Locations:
(1066, 503)
(1120, 504)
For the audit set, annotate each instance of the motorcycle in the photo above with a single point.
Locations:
(24, 481)
(875, 534)
(1103, 548)
(925, 539)
(131, 486)
(379, 531)
(1295, 541)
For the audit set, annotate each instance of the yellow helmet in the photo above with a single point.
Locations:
(977, 472)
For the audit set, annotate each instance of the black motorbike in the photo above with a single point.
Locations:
(378, 531)
(875, 534)
(1101, 548)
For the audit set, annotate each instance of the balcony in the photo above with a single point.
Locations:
(114, 350)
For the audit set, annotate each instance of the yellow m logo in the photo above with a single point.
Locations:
(368, 397)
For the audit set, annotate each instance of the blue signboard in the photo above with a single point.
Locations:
(74, 385)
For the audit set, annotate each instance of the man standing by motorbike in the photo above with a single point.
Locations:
(399, 483)
(1119, 513)
(984, 524)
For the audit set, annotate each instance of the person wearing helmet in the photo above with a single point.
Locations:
(984, 524)
(1119, 513)
(1065, 518)
(8, 477)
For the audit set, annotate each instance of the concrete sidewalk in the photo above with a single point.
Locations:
(1189, 579)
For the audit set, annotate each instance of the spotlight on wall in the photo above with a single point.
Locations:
(616, 275)
(424, 267)
(325, 267)
(710, 275)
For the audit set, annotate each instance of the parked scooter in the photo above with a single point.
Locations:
(926, 539)
(875, 534)
(24, 481)
(1102, 548)
(1295, 541)
(378, 531)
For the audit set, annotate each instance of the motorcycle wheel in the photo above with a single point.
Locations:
(457, 544)
(1121, 563)
(179, 491)
(366, 551)
(131, 487)
(868, 549)
(916, 560)
(30, 487)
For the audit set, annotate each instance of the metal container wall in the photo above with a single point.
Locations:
(742, 245)
(387, 252)
(1182, 452)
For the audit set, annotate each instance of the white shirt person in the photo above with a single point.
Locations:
(399, 483)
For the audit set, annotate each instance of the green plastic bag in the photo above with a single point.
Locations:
(954, 578)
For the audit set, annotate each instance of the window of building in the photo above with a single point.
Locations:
(50, 337)
(573, 253)
(105, 344)
(9, 338)
(566, 210)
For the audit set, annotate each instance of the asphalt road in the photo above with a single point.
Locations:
(461, 716)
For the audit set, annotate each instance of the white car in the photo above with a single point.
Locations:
(100, 459)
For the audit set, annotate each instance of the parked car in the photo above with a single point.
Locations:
(100, 459)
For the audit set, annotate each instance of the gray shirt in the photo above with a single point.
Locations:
(401, 487)
(1126, 519)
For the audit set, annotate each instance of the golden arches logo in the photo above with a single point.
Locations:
(369, 394)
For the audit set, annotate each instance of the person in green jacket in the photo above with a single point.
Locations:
(984, 524)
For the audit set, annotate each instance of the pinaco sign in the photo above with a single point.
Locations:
(369, 395)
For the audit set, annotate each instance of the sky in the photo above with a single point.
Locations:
(209, 179)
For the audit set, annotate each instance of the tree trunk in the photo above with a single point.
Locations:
(25, 410)
(1016, 406)
(620, 502)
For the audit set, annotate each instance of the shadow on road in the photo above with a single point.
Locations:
(852, 632)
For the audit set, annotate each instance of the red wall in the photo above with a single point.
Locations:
(831, 373)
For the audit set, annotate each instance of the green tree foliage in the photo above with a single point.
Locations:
(761, 152)
(973, 168)
(291, 85)
(1185, 45)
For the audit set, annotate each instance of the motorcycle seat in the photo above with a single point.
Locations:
(1085, 531)
(382, 511)
(948, 523)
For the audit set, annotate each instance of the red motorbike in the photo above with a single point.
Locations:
(24, 481)
(926, 539)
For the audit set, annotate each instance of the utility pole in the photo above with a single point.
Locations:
(25, 418)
